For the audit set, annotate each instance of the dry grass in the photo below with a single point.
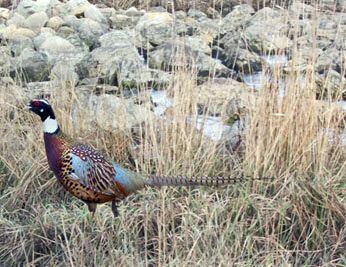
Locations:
(298, 219)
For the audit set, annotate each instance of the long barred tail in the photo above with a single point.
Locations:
(202, 180)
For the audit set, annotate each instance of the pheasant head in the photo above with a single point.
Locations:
(44, 110)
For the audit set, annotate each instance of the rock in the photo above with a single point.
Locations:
(158, 9)
(332, 5)
(64, 72)
(237, 18)
(41, 38)
(327, 31)
(41, 88)
(117, 62)
(93, 13)
(244, 61)
(89, 31)
(12, 32)
(119, 21)
(267, 31)
(113, 60)
(65, 31)
(116, 39)
(180, 14)
(331, 84)
(107, 12)
(4, 14)
(32, 65)
(72, 22)
(209, 30)
(196, 14)
(104, 108)
(155, 27)
(58, 49)
(78, 43)
(213, 96)
(17, 38)
(29, 7)
(213, 13)
(20, 43)
(196, 43)
(36, 21)
(301, 11)
(56, 44)
(57, 8)
(329, 59)
(127, 36)
(55, 22)
(77, 7)
(180, 54)
(237, 56)
(134, 12)
(16, 20)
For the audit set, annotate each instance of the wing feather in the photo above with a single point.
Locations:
(93, 169)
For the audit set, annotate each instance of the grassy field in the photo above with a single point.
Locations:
(298, 219)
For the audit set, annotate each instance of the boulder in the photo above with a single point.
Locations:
(225, 97)
(107, 12)
(4, 14)
(237, 18)
(41, 88)
(331, 58)
(65, 31)
(301, 11)
(36, 21)
(32, 65)
(41, 38)
(267, 31)
(72, 22)
(16, 20)
(77, 7)
(58, 49)
(120, 21)
(64, 72)
(112, 113)
(134, 12)
(155, 27)
(196, 14)
(12, 32)
(177, 53)
(55, 22)
(55, 45)
(29, 7)
(331, 84)
(209, 30)
(89, 31)
(236, 54)
(17, 39)
(93, 13)
(117, 62)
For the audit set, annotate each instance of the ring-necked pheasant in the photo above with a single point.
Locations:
(91, 176)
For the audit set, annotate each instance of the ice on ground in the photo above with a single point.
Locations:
(161, 101)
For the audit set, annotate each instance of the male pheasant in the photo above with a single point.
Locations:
(93, 177)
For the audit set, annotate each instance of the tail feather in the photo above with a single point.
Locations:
(202, 180)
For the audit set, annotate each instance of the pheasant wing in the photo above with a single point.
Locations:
(93, 169)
